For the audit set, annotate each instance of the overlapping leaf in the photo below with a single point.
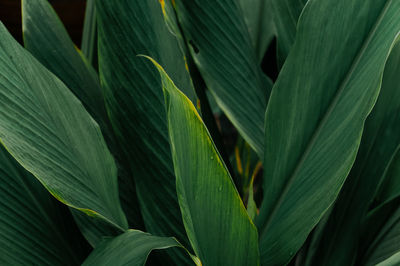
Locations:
(379, 145)
(259, 19)
(130, 248)
(46, 128)
(35, 229)
(46, 38)
(285, 14)
(316, 114)
(135, 100)
(386, 244)
(222, 49)
(206, 193)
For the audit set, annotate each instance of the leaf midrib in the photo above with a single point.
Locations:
(330, 109)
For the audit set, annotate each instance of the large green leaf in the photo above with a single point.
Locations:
(35, 229)
(259, 21)
(316, 113)
(135, 100)
(222, 49)
(379, 144)
(46, 38)
(206, 193)
(46, 128)
(131, 248)
(285, 14)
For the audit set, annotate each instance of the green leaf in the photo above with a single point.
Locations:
(131, 248)
(48, 131)
(89, 35)
(390, 188)
(47, 39)
(259, 20)
(35, 228)
(222, 49)
(392, 261)
(135, 101)
(379, 145)
(316, 115)
(386, 243)
(285, 14)
(206, 193)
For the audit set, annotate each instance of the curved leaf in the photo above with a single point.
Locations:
(46, 38)
(392, 261)
(131, 248)
(222, 49)
(35, 229)
(48, 131)
(206, 193)
(386, 243)
(316, 115)
(380, 142)
(135, 100)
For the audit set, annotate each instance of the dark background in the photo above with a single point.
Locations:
(71, 13)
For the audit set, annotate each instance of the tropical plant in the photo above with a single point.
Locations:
(120, 148)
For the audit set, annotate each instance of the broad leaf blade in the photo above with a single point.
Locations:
(206, 193)
(379, 145)
(130, 248)
(50, 133)
(135, 100)
(46, 38)
(222, 49)
(316, 114)
(35, 228)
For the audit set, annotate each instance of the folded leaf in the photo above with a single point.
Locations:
(222, 49)
(48, 131)
(35, 228)
(206, 193)
(131, 248)
(316, 114)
